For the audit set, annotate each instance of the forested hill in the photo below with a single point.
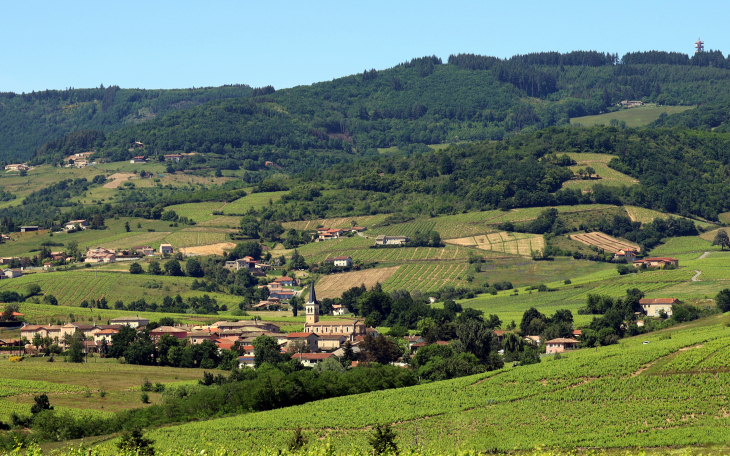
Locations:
(425, 101)
(422, 101)
(29, 120)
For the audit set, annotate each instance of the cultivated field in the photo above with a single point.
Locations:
(332, 286)
(607, 395)
(603, 241)
(512, 243)
(426, 277)
(634, 117)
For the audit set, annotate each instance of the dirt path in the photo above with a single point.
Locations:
(695, 277)
(703, 256)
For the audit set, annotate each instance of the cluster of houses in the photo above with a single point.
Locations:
(103, 255)
(278, 294)
(79, 160)
(253, 266)
(629, 256)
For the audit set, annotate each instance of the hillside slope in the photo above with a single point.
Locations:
(29, 120)
(624, 395)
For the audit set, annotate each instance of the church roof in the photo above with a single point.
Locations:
(312, 295)
(335, 323)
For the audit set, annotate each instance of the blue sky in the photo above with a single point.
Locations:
(155, 44)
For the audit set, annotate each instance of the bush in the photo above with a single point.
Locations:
(135, 268)
(135, 442)
(145, 398)
(382, 440)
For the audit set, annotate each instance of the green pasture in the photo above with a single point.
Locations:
(634, 117)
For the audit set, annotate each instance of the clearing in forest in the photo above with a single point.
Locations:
(603, 241)
(513, 243)
(332, 286)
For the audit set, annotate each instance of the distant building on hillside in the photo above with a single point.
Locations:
(138, 160)
(652, 306)
(391, 240)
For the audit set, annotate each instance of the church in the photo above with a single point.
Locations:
(348, 328)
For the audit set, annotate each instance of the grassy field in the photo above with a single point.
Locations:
(253, 201)
(603, 174)
(634, 117)
(606, 394)
(199, 212)
(75, 387)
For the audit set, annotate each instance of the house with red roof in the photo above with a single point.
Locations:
(652, 306)
(311, 339)
(173, 331)
(560, 345)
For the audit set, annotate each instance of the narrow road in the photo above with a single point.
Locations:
(694, 279)
(703, 256)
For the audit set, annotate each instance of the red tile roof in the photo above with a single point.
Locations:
(299, 335)
(562, 340)
(650, 301)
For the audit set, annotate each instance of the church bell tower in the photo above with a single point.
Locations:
(312, 307)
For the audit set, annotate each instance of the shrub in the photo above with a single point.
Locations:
(145, 398)
(382, 440)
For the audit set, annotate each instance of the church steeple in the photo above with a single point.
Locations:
(312, 307)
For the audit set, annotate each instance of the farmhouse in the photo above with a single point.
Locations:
(626, 254)
(173, 157)
(631, 103)
(311, 359)
(166, 248)
(325, 234)
(391, 240)
(73, 224)
(134, 322)
(25, 229)
(657, 262)
(340, 261)
(17, 167)
(13, 273)
(348, 328)
(560, 345)
(653, 306)
(138, 160)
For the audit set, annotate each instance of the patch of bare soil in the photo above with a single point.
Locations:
(117, 179)
(212, 249)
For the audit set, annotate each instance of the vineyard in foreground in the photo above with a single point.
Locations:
(606, 395)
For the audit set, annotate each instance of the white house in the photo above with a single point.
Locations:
(391, 240)
(134, 322)
(165, 248)
(83, 224)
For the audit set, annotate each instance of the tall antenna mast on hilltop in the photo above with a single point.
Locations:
(699, 46)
